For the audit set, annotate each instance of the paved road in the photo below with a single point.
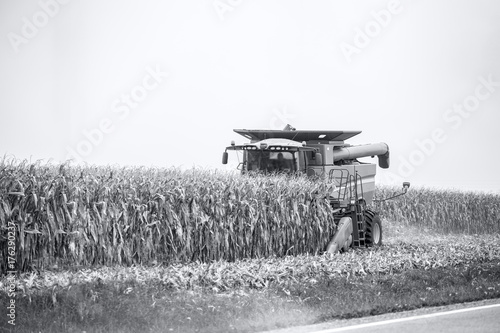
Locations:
(479, 317)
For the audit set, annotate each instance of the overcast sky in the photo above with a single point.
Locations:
(165, 82)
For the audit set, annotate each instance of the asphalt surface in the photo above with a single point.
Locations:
(483, 317)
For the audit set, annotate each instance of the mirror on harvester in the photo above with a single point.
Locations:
(224, 157)
(319, 159)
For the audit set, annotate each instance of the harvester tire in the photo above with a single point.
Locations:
(373, 228)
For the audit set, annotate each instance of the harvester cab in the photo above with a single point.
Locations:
(323, 155)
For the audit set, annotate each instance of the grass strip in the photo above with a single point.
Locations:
(129, 306)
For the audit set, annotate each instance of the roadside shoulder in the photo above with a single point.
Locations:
(385, 317)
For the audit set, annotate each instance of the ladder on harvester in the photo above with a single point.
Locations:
(357, 211)
(348, 197)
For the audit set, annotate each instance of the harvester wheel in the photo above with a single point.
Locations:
(373, 228)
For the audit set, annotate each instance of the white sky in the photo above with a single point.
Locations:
(263, 60)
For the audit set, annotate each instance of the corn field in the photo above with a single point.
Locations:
(446, 211)
(87, 215)
(105, 216)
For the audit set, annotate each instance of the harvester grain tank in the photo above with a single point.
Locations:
(326, 156)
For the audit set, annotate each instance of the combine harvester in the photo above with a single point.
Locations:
(326, 156)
